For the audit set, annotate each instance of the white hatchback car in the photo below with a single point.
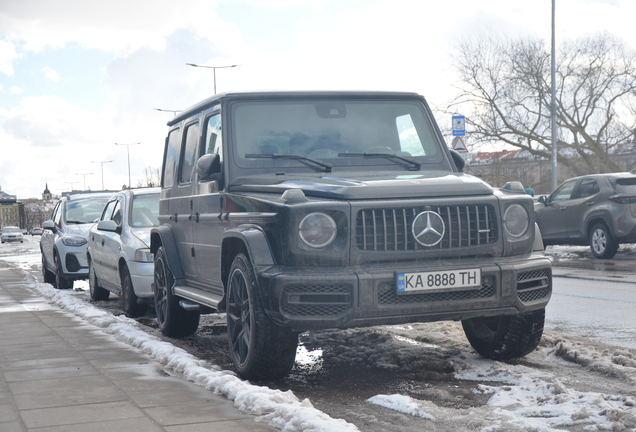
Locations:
(118, 255)
(64, 240)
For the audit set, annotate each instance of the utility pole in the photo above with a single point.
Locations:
(553, 103)
(102, 163)
(84, 178)
(128, 151)
(214, 68)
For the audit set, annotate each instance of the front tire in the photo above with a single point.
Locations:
(602, 243)
(47, 275)
(505, 337)
(260, 349)
(132, 309)
(172, 319)
(60, 281)
(97, 292)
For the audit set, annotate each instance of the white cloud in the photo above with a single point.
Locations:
(51, 74)
(119, 26)
(8, 55)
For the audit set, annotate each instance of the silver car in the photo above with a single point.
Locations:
(11, 234)
(64, 240)
(118, 254)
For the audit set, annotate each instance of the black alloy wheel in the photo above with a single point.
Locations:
(260, 349)
(60, 281)
(172, 319)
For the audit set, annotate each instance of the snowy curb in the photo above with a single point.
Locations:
(279, 409)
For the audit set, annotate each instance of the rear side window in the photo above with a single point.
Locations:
(588, 188)
(170, 158)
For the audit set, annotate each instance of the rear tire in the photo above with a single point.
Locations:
(47, 275)
(128, 296)
(505, 337)
(260, 349)
(60, 281)
(172, 319)
(602, 243)
(97, 292)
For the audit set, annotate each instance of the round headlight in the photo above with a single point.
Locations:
(317, 230)
(516, 220)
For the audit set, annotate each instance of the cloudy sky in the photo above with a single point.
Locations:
(77, 76)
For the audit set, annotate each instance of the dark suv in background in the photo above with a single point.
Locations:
(294, 211)
(597, 209)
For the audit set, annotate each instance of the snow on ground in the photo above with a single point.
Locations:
(279, 409)
(521, 398)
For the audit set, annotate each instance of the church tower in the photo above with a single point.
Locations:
(46, 195)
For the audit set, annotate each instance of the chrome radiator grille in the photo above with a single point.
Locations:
(390, 229)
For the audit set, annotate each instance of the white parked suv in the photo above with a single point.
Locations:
(118, 254)
(64, 240)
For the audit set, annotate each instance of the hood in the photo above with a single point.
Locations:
(359, 186)
(79, 230)
(142, 234)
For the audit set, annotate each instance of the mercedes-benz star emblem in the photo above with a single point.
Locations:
(428, 228)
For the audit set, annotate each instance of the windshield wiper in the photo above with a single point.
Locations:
(316, 164)
(409, 164)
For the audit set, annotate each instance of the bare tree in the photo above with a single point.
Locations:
(152, 177)
(506, 84)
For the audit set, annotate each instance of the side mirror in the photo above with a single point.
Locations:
(209, 167)
(458, 160)
(49, 225)
(543, 200)
(108, 225)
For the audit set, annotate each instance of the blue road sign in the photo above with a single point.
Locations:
(459, 125)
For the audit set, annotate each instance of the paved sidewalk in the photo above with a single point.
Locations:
(58, 373)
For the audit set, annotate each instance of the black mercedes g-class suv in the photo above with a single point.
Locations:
(293, 211)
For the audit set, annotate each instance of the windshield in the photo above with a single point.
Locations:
(12, 230)
(84, 210)
(145, 210)
(324, 130)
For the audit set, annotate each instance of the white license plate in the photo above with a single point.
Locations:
(438, 280)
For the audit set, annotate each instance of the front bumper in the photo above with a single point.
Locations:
(318, 298)
(12, 239)
(142, 275)
(74, 263)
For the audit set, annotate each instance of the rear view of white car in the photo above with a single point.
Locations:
(64, 240)
(118, 254)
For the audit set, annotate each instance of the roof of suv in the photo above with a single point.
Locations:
(286, 94)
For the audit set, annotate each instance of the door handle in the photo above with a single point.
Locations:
(562, 208)
(590, 203)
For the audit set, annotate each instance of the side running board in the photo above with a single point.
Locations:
(198, 296)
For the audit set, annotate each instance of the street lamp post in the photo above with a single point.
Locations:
(102, 163)
(84, 178)
(71, 183)
(553, 131)
(214, 68)
(128, 151)
(174, 112)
